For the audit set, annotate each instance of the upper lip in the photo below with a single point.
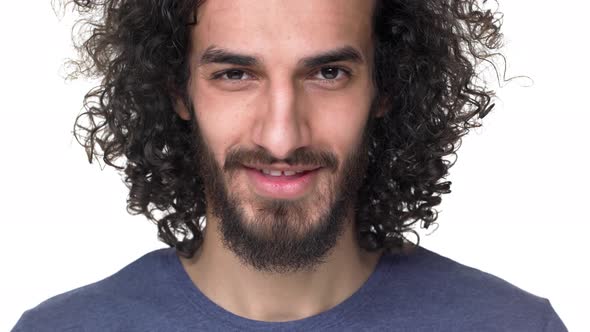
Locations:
(284, 168)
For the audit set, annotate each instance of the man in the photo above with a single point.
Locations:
(284, 148)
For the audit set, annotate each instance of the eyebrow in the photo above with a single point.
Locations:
(214, 54)
(346, 53)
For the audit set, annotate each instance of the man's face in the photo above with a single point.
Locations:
(282, 85)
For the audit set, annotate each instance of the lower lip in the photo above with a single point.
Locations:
(283, 187)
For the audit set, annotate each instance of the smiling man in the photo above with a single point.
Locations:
(284, 148)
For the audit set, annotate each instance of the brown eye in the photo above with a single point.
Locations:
(329, 73)
(235, 74)
(232, 75)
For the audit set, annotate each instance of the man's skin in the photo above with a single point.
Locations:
(281, 104)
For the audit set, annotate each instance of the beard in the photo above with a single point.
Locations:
(280, 235)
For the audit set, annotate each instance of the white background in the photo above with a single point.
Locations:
(518, 209)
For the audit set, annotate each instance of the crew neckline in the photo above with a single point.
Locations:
(321, 320)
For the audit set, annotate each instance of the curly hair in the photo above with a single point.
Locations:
(426, 53)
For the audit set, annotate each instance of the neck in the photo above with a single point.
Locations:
(271, 297)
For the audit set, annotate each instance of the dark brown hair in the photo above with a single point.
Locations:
(426, 53)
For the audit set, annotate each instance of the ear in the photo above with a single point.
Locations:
(380, 112)
(381, 107)
(181, 109)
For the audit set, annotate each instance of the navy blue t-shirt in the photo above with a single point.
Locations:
(422, 291)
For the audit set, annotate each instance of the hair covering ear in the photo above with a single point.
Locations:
(380, 106)
(181, 108)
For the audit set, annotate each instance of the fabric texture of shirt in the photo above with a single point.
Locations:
(423, 291)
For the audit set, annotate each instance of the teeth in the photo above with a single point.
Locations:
(279, 173)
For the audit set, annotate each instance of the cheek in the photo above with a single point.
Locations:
(339, 120)
(222, 117)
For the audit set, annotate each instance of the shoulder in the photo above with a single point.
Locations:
(436, 286)
(113, 299)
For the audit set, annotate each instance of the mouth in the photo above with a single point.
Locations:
(284, 170)
(282, 182)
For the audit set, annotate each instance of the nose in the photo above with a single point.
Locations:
(282, 126)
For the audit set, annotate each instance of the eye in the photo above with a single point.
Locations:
(331, 73)
(232, 75)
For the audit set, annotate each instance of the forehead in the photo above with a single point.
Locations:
(285, 28)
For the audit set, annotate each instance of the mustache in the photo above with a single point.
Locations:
(236, 158)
